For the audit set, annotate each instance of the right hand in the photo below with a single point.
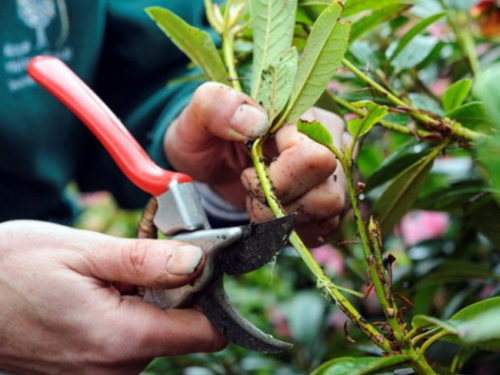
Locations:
(61, 314)
(207, 140)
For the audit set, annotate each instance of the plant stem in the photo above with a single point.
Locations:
(464, 38)
(229, 59)
(228, 34)
(432, 340)
(386, 124)
(373, 258)
(417, 338)
(373, 254)
(419, 363)
(442, 126)
(322, 280)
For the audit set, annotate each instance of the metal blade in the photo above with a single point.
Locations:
(257, 246)
(215, 304)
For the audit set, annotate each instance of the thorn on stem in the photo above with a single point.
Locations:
(360, 187)
(346, 333)
(405, 300)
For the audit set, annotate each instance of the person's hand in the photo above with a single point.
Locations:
(207, 142)
(61, 314)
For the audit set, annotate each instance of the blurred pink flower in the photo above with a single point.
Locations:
(487, 291)
(351, 116)
(337, 87)
(439, 86)
(337, 319)
(94, 199)
(371, 302)
(417, 226)
(280, 323)
(330, 258)
(439, 30)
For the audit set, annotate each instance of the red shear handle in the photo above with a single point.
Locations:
(55, 76)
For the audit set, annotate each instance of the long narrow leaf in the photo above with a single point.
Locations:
(361, 126)
(403, 191)
(273, 25)
(413, 32)
(373, 20)
(322, 55)
(277, 81)
(195, 43)
(356, 6)
(360, 365)
(488, 90)
(456, 94)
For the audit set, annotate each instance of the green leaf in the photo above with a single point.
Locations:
(396, 162)
(373, 20)
(424, 321)
(312, 305)
(324, 50)
(359, 365)
(484, 215)
(424, 298)
(195, 43)
(415, 52)
(488, 90)
(277, 81)
(424, 102)
(480, 324)
(471, 115)
(316, 131)
(457, 271)
(403, 191)
(453, 198)
(273, 24)
(477, 325)
(413, 32)
(356, 6)
(455, 95)
(361, 126)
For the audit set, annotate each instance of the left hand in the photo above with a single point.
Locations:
(207, 142)
(61, 313)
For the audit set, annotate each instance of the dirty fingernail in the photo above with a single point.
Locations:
(184, 260)
(249, 121)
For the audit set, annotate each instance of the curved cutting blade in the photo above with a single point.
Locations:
(215, 304)
(257, 246)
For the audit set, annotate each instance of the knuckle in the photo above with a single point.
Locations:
(334, 204)
(208, 88)
(320, 158)
(327, 201)
(134, 256)
(202, 97)
(208, 92)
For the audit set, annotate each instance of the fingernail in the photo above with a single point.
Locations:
(184, 260)
(249, 121)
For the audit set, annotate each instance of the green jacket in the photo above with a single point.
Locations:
(114, 47)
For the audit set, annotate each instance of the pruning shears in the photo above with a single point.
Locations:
(177, 212)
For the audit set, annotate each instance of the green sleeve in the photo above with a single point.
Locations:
(136, 63)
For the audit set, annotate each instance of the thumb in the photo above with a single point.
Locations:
(154, 263)
(217, 110)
